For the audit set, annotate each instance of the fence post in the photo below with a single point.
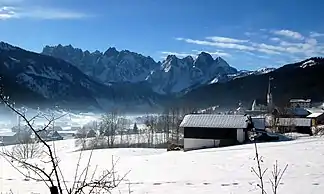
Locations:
(54, 190)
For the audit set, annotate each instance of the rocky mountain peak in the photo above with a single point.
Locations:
(188, 59)
(6, 46)
(220, 60)
(204, 59)
(169, 76)
(171, 57)
(112, 51)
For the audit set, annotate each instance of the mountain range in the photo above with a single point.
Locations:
(167, 77)
(76, 79)
(41, 80)
(301, 80)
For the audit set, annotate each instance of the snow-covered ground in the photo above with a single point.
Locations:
(218, 170)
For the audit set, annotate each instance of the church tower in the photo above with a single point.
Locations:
(269, 96)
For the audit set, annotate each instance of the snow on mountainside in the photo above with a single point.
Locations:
(171, 76)
(177, 74)
(53, 79)
(308, 63)
(244, 73)
(110, 66)
(56, 81)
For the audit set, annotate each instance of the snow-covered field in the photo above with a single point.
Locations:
(218, 170)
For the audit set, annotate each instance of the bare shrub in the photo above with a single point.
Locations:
(260, 172)
(28, 150)
(48, 170)
(276, 178)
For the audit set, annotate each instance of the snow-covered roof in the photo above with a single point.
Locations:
(7, 134)
(315, 110)
(214, 121)
(300, 100)
(67, 132)
(315, 115)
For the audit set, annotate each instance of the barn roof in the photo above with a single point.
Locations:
(214, 121)
(315, 110)
(299, 100)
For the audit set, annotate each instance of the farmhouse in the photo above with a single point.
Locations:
(211, 130)
(317, 118)
(300, 125)
(67, 134)
(50, 135)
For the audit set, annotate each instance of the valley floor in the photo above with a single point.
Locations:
(218, 170)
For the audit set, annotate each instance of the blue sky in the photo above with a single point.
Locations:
(248, 34)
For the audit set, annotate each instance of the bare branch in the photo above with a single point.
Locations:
(28, 166)
(106, 182)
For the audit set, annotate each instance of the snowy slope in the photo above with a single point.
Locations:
(219, 170)
(61, 83)
(177, 74)
(53, 79)
(308, 63)
(244, 73)
(110, 66)
(171, 76)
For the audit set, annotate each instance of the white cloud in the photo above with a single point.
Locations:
(283, 46)
(256, 47)
(225, 39)
(316, 34)
(216, 44)
(214, 53)
(289, 33)
(250, 33)
(301, 46)
(7, 13)
(18, 10)
(49, 13)
(180, 55)
(276, 39)
(195, 53)
(268, 51)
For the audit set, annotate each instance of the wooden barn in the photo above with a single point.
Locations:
(211, 130)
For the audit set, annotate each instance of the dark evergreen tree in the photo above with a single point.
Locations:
(135, 128)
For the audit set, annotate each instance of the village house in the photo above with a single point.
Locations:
(50, 135)
(11, 138)
(67, 134)
(299, 125)
(300, 103)
(212, 130)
